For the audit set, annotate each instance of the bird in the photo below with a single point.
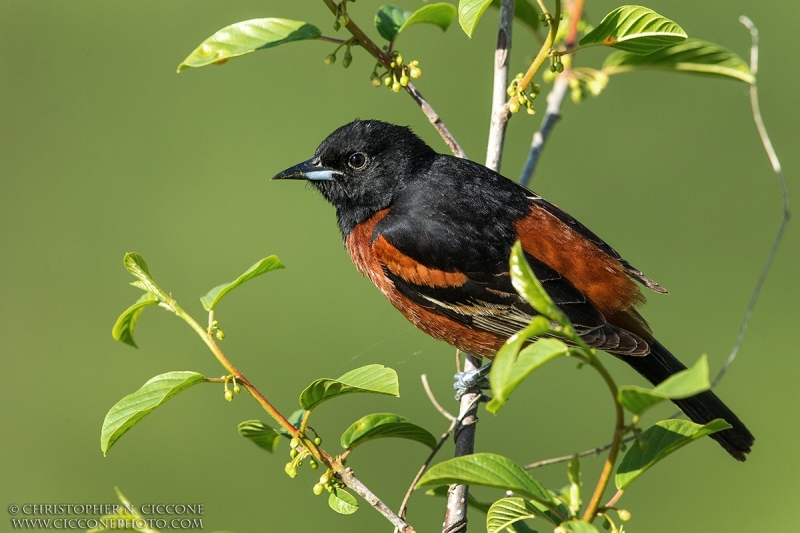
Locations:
(434, 233)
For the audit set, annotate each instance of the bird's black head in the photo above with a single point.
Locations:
(362, 166)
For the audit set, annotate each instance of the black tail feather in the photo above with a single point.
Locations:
(702, 408)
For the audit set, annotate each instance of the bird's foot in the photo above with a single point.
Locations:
(471, 379)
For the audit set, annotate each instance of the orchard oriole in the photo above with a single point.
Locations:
(434, 233)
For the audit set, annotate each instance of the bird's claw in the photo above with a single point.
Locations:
(472, 379)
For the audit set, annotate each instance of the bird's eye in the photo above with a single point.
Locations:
(357, 160)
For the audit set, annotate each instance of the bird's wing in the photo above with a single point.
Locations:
(570, 222)
(486, 300)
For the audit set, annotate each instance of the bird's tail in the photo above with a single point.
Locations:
(702, 408)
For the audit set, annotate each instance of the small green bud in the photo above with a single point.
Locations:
(228, 395)
(220, 334)
(318, 441)
(559, 67)
(623, 514)
(295, 442)
(293, 453)
(376, 82)
(325, 478)
(606, 524)
(300, 462)
(553, 68)
(290, 470)
(318, 488)
(398, 58)
(388, 81)
(344, 20)
(403, 80)
(313, 464)
(237, 389)
(330, 59)
(336, 25)
(530, 110)
(415, 72)
(393, 64)
(396, 87)
(415, 63)
(513, 105)
(346, 60)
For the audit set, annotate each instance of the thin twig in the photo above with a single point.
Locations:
(453, 422)
(776, 167)
(455, 520)
(346, 475)
(432, 398)
(375, 51)
(500, 112)
(554, 100)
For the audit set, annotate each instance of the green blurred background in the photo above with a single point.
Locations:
(104, 150)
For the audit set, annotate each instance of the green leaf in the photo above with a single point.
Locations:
(136, 265)
(526, 284)
(576, 526)
(385, 425)
(509, 369)
(472, 501)
(213, 297)
(506, 511)
(634, 29)
(376, 379)
(659, 441)
(470, 12)
(248, 36)
(261, 434)
(680, 385)
(490, 470)
(692, 55)
(126, 323)
(342, 502)
(524, 12)
(392, 20)
(132, 408)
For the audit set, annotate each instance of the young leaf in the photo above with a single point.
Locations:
(506, 511)
(508, 371)
(127, 412)
(136, 265)
(248, 36)
(261, 434)
(384, 425)
(692, 55)
(524, 12)
(126, 323)
(660, 440)
(574, 475)
(526, 284)
(576, 526)
(490, 470)
(391, 20)
(470, 12)
(634, 29)
(213, 297)
(376, 379)
(680, 385)
(342, 502)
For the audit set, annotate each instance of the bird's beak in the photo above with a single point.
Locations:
(311, 170)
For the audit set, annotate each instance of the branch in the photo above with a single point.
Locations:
(500, 112)
(453, 422)
(776, 167)
(455, 519)
(375, 51)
